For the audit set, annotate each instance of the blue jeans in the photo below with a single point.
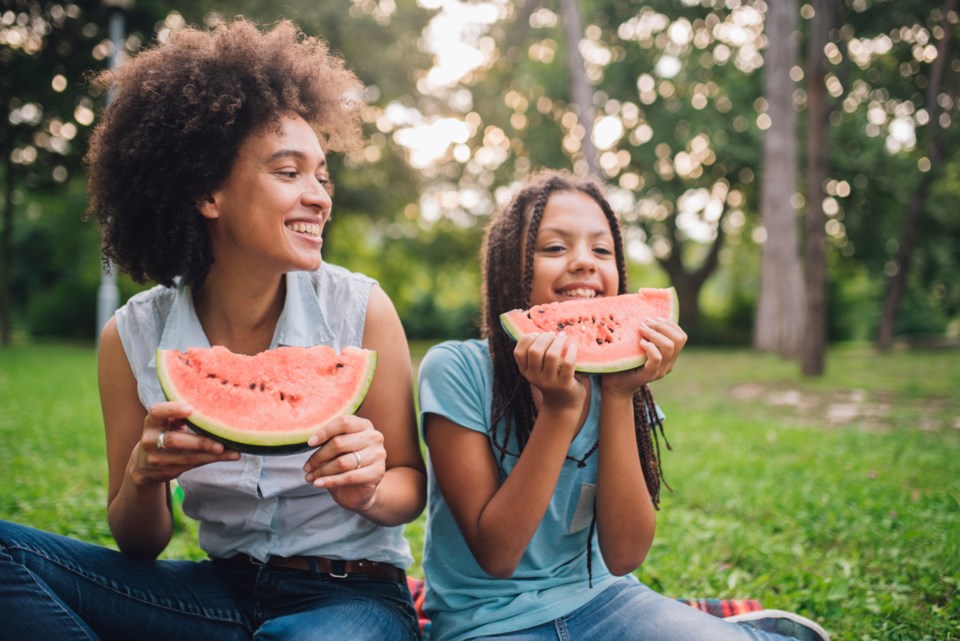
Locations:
(630, 611)
(54, 587)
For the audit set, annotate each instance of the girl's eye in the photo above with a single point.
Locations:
(603, 251)
(287, 174)
(552, 249)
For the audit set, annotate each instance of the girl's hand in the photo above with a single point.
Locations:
(166, 449)
(350, 462)
(662, 340)
(547, 362)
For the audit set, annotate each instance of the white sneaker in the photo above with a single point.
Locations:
(782, 622)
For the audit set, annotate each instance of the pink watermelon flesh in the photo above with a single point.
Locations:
(270, 403)
(607, 330)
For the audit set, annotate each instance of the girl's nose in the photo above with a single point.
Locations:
(583, 259)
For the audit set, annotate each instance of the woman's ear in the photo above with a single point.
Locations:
(208, 207)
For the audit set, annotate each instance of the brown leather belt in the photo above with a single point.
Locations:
(333, 567)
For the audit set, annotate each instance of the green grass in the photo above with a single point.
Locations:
(837, 497)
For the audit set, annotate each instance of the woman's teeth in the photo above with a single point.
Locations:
(310, 229)
(579, 293)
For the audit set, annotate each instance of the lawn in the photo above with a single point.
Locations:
(838, 497)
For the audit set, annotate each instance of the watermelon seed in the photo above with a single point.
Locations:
(261, 387)
(224, 382)
(281, 396)
(339, 365)
(253, 386)
(211, 375)
(599, 341)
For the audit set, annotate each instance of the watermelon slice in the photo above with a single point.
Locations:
(607, 330)
(270, 403)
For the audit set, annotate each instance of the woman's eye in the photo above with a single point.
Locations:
(327, 184)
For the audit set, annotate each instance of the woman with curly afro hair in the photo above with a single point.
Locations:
(208, 176)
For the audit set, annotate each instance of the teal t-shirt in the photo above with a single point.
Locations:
(456, 382)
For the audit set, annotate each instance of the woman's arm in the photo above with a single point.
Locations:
(389, 487)
(498, 521)
(626, 518)
(138, 498)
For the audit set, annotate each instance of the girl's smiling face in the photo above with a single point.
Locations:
(574, 255)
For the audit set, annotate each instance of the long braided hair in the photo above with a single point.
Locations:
(508, 250)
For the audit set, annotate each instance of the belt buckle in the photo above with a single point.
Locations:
(338, 570)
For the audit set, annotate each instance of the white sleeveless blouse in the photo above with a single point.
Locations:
(261, 505)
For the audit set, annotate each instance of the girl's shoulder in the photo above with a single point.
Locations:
(471, 355)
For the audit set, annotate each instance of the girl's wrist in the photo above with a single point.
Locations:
(611, 391)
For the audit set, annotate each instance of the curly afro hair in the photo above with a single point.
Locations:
(179, 113)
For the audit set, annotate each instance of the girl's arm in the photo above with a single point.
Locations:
(626, 517)
(138, 499)
(389, 487)
(498, 521)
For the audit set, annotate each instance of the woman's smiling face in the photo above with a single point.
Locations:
(574, 253)
(275, 201)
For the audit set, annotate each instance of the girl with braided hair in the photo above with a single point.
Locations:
(543, 483)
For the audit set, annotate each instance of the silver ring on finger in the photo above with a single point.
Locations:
(359, 460)
(160, 445)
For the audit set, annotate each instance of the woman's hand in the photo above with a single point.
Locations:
(350, 462)
(547, 362)
(662, 341)
(166, 449)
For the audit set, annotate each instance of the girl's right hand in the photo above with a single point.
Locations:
(547, 362)
(181, 450)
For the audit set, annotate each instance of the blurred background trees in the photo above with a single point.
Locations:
(676, 104)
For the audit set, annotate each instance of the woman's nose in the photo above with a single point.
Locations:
(318, 196)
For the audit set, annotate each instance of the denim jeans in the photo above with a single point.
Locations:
(630, 611)
(54, 587)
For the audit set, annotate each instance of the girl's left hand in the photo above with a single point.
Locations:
(350, 462)
(662, 340)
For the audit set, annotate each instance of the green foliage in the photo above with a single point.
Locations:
(519, 109)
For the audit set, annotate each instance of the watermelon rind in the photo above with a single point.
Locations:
(606, 367)
(268, 443)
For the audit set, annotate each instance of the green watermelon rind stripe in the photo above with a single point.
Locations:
(607, 367)
(263, 442)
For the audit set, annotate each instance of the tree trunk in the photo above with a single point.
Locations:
(580, 89)
(688, 283)
(897, 283)
(814, 350)
(779, 319)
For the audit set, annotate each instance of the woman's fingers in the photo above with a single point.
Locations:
(350, 450)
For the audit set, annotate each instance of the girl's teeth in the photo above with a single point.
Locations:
(580, 293)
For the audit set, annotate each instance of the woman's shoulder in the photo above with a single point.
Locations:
(148, 308)
(330, 275)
